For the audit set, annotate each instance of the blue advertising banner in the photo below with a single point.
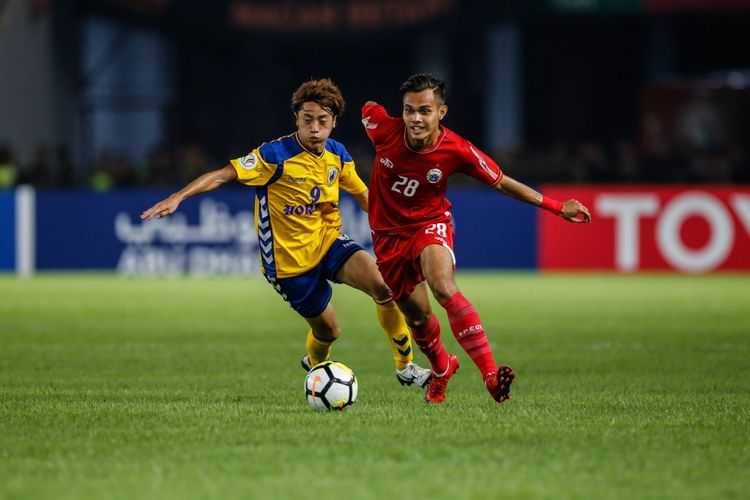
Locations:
(7, 231)
(213, 234)
(103, 231)
(493, 231)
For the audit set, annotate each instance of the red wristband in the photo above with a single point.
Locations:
(551, 204)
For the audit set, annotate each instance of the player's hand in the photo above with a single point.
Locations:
(575, 211)
(162, 209)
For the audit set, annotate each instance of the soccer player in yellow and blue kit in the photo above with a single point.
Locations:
(297, 180)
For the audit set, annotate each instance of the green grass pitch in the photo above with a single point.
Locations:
(628, 387)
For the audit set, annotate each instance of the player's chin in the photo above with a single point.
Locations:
(417, 136)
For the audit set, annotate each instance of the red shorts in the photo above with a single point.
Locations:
(398, 255)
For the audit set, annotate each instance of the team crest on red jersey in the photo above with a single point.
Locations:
(434, 175)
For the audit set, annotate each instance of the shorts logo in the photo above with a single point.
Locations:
(249, 162)
(386, 162)
(333, 174)
(434, 175)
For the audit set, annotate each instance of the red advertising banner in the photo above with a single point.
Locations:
(691, 229)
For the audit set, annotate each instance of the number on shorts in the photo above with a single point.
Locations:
(411, 186)
(438, 228)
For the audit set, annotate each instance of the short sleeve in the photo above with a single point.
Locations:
(252, 169)
(350, 180)
(480, 166)
(377, 123)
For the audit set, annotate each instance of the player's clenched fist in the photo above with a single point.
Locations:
(571, 209)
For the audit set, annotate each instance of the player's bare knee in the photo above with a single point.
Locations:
(442, 290)
(380, 292)
(328, 333)
(418, 321)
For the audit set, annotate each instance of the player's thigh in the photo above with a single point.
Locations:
(325, 326)
(360, 271)
(438, 266)
(416, 307)
(395, 264)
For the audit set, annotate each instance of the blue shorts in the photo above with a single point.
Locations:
(310, 293)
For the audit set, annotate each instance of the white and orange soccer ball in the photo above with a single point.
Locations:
(331, 385)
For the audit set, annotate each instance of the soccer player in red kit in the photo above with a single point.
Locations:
(413, 230)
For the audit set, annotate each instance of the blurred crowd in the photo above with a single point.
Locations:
(587, 162)
(624, 162)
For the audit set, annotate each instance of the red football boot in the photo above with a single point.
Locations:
(438, 383)
(498, 384)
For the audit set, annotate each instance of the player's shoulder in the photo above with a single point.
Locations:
(281, 149)
(338, 149)
(453, 138)
(454, 143)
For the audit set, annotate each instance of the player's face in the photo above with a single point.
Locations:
(422, 114)
(314, 126)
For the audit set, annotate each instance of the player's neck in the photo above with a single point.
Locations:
(315, 149)
(425, 143)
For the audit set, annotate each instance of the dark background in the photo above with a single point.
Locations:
(593, 79)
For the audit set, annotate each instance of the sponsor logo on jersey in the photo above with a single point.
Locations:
(386, 162)
(296, 179)
(290, 210)
(333, 174)
(367, 124)
(434, 175)
(249, 162)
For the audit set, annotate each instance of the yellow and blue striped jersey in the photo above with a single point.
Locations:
(296, 201)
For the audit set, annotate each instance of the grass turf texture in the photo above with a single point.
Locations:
(628, 386)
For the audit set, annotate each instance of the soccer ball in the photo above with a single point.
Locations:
(331, 386)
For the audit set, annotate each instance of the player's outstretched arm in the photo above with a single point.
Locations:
(571, 210)
(206, 182)
(362, 200)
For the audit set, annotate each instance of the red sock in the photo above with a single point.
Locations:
(468, 330)
(428, 340)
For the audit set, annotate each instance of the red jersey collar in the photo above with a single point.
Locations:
(425, 151)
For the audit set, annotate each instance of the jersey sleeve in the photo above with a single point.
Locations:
(350, 180)
(480, 166)
(253, 169)
(377, 123)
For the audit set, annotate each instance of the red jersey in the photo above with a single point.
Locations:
(407, 187)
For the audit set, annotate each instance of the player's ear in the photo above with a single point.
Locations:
(443, 111)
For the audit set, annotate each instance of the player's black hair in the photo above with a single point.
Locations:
(423, 81)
